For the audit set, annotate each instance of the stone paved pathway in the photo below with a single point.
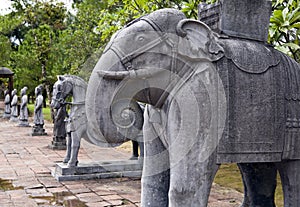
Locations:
(26, 181)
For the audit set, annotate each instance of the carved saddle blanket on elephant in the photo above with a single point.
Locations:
(262, 88)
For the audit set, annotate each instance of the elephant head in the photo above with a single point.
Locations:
(143, 62)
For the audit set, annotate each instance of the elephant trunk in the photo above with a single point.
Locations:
(112, 119)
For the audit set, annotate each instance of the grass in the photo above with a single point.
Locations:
(229, 176)
(46, 112)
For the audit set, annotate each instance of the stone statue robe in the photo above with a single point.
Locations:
(24, 110)
(7, 104)
(14, 106)
(38, 110)
(59, 129)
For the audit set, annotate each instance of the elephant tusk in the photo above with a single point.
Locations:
(116, 75)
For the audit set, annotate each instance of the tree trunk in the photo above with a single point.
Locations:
(47, 86)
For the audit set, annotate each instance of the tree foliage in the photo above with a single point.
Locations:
(284, 30)
(33, 28)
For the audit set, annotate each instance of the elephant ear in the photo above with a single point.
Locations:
(198, 41)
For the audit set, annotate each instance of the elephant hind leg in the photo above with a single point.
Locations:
(260, 182)
(246, 200)
(290, 177)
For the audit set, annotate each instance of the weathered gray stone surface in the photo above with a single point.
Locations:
(59, 129)
(74, 86)
(212, 99)
(38, 119)
(97, 170)
(246, 19)
(7, 110)
(14, 106)
(23, 118)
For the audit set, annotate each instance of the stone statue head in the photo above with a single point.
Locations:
(14, 92)
(38, 90)
(6, 92)
(23, 91)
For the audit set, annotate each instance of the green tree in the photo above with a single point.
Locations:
(284, 30)
(284, 26)
(33, 27)
(81, 40)
(40, 39)
(5, 47)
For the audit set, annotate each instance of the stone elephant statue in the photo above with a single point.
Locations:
(211, 99)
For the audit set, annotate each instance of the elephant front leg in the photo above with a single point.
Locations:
(260, 183)
(74, 149)
(191, 179)
(155, 179)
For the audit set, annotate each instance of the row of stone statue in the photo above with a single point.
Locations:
(14, 114)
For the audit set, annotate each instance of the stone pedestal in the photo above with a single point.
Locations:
(38, 131)
(23, 123)
(13, 119)
(97, 170)
(6, 116)
(58, 143)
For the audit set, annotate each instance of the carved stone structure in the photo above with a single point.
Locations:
(98, 170)
(14, 106)
(7, 110)
(74, 86)
(138, 143)
(7, 73)
(38, 128)
(249, 21)
(23, 118)
(211, 99)
(59, 129)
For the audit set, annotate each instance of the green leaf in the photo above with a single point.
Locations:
(284, 30)
(296, 25)
(277, 16)
(291, 45)
(283, 49)
(284, 13)
(295, 16)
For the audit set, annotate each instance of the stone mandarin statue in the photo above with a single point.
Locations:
(23, 118)
(59, 129)
(38, 107)
(38, 113)
(7, 110)
(14, 106)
